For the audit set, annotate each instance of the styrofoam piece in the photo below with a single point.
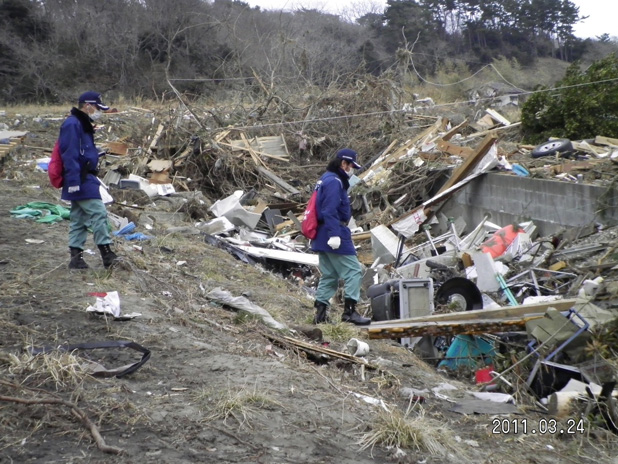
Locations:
(216, 226)
(231, 208)
(220, 207)
(486, 272)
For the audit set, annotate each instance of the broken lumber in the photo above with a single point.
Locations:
(277, 180)
(402, 150)
(449, 134)
(492, 131)
(464, 168)
(466, 322)
(600, 140)
(453, 149)
(409, 223)
(308, 347)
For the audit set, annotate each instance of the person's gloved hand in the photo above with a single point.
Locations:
(73, 189)
(334, 242)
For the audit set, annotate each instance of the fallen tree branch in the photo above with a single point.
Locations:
(94, 431)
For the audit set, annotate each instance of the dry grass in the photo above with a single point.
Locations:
(242, 405)
(408, 430)
(340, 331)
(57, 369)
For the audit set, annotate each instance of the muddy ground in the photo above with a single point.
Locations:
(218, 387)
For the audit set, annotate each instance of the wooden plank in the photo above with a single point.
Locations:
(320, 349)
(265, 172)
(268, 155)
(282, 225)
(281, 255)
(498, 117)
(452, 149)
(505, 312)
(585, 146)
(309, 347)
(492, 131)
(454, 328)
(464, 168)
(222, 135)
(446, 137)
(466, 322)
(117, 148)
(600, 140)
(361, 236)
(256, 159)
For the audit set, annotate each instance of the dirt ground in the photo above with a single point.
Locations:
(216, 388)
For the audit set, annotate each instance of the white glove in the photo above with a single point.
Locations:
(334, 242)
(73, 188)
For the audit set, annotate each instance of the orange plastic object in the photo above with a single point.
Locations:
(500, 240)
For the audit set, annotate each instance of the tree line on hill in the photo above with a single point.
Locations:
(49, 49)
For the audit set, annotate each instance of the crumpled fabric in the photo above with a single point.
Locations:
(136, 236)
(45, 212)
(126, 233)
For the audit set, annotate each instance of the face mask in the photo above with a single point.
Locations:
(96, 115)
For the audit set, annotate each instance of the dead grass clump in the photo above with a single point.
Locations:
(396, 429)
(57, 369)
(241, 405)
(339, 332)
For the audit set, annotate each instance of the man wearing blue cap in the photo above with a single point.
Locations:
(80, 159)
(333, 242)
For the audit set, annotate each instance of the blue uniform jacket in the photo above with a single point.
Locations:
(79, 157)
(334, 212)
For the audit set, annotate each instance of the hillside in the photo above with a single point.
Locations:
(219, 385)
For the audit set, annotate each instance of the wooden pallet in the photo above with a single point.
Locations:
(5, 149)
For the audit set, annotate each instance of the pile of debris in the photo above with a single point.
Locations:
(495, 294)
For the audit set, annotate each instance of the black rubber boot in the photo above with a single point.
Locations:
(77, 259)
(350, 314)
(321, 312)
(109, 257)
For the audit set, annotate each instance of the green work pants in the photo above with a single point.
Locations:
(85, 214)
(334, 267)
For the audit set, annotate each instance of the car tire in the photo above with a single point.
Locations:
(552, 147)
(461, 291)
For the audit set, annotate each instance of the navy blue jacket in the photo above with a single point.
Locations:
(334, 212)
(80, 157)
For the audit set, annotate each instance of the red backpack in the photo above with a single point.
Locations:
(309, 226)
(55, 167)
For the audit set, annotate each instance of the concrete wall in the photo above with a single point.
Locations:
(551, 204)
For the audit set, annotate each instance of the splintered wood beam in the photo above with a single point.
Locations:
(464, 168)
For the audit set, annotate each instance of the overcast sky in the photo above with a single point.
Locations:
(603, 14)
